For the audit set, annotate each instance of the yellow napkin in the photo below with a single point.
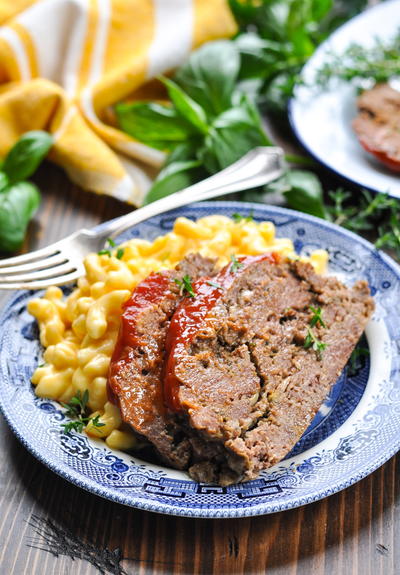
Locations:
(64, 63)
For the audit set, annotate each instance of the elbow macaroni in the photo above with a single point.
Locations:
(79, 333)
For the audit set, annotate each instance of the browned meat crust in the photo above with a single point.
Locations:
(378, 124)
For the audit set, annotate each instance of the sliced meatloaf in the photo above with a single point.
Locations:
(378, 124)
(247, 372)
(134, 378)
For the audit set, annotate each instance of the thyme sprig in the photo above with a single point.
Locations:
(372, 212)
(76, 409)
(311, 340)
(317, 317)
(357, 63)
(107, 251)
(185, 286)
(237, 218)
(236, 264)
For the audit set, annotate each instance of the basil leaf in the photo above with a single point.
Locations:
(244, 11)
(186, 151)
(321, 8)
(305, 193)
(186, 107)
(174, 177)
(210, 75)
(233, 133)
(156, 125)
(25, 156)
(259, 58)
(278, 92)
(17, 205)
(4, 182)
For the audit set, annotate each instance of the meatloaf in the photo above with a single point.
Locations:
(134, 381)
(246, 373)
(378, 124)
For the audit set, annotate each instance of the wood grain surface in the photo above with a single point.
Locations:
(50, 527)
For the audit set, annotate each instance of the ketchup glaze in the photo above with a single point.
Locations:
(148, 292)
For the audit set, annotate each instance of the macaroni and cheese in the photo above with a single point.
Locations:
(79, 332)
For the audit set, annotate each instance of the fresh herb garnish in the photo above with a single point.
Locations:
(120, 253)
(372, 212)
(237, 218)
(378, 63)
(214, 284)
(185, 285)
(236, 264)
(74, 426)
(107, 251)
(301, 189)
(311, 340)
(20, 199)
(212, 118)
(317, 317)
(76, 408)
(95, 421)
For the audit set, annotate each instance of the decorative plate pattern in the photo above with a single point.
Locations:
(355, 431)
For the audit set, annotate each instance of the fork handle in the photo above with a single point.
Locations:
(258, 167)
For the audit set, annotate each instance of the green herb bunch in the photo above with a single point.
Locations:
(279, 36)
(209, 124)
(378, 63)
(185, 286)
(377, 215)
(77, 410)
(20, 199)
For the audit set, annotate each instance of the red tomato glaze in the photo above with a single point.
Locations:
(146, 294)
(192, 312)
(382, 156)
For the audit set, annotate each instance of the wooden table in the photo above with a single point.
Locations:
(48, 526)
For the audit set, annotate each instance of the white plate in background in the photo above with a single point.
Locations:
(322, 119)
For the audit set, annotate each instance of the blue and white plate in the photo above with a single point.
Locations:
(355, 431)
(322, 119)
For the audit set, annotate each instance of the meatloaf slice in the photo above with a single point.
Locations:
(135, 370)
(378, 124)
(251, 375)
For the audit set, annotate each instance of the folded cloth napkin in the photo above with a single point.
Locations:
(64, 63)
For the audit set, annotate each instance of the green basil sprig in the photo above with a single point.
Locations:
(20, 199)
(208, 125)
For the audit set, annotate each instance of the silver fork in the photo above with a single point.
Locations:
(62, 262)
